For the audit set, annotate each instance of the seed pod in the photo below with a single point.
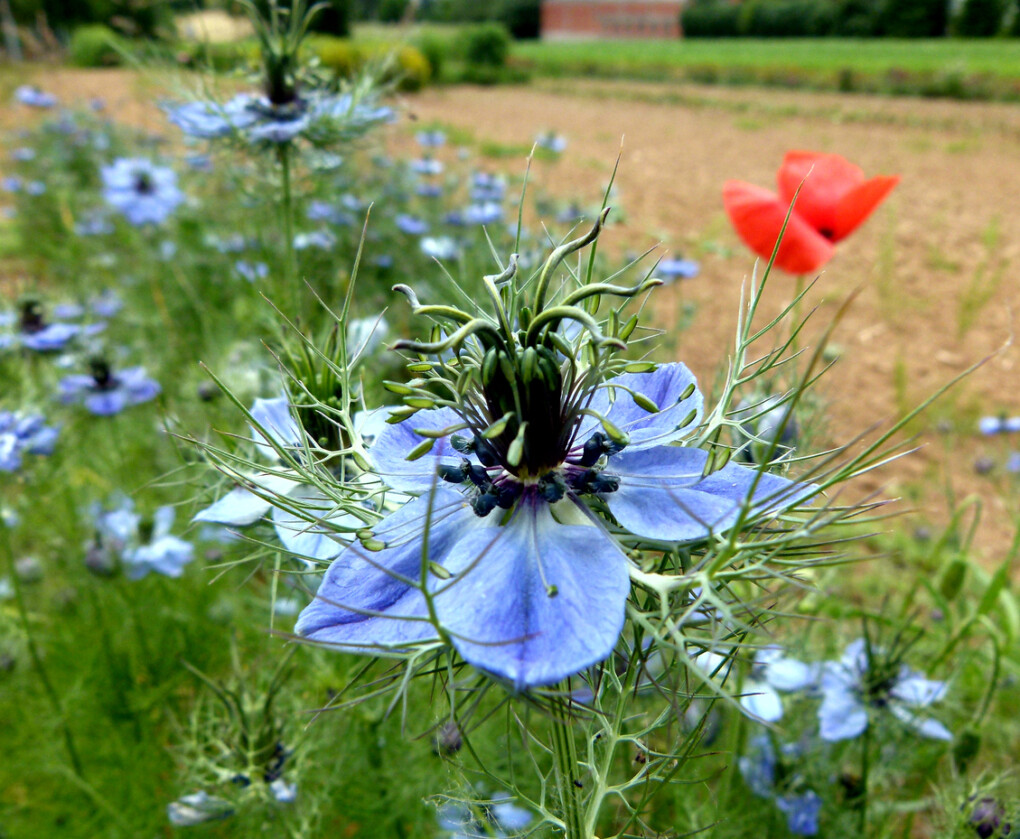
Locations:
(422, 449)
(628, 328)
(952, 577)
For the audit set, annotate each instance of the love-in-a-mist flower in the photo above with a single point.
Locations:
(107, 392)
(34, 332)
(770, 777)
(22, 434)
(536, 453)
(834, 200)
(141, 191)
(142, 546)
(867, 681)
(773, 672)
(29, 94)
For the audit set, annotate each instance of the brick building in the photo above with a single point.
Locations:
(611, 18)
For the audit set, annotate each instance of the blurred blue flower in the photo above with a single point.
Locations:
(801, 807)
(106, 304)
(251, 271)
(430, 139)
(142, 546)
(23, 154)
(24, 433)
(12, 183)
(488, 212)
(35, 188)
(677, 269)
(105, 393)
(139, 189)
(427, 166)
(772, 672)
(199, 162)
(321, 239)
(442, 248)
(411, 225)
(861, 682)
(551, 141)
(197, 808)
(487, 187)
(36, 333)
(999, 425)
(32, 96)
(525, 635)
(94, 224)
(429, 190)
(499, 817)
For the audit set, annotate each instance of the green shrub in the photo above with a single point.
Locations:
(787, 19)
(486, 45)
(856, 18)
(458, 11)
(979, 18)
(711, 20)
(334, 18)
(221, 56)
(133, 18)
(392, 11)
(914, 18)
(1014, 25)
(522, 18)
(435, 50)
(408, 66)
(94, 45)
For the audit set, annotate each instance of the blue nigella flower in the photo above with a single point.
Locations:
(759, 768)
(677, 269)
(538, 591)
(94, 224)
(142, 191)
(21, 434)
(324, 211)
(487, 212)
(197, 808)
(999, 425)
(37, 334)
(35, 188)
(32, 96)
(12, 183)
(411, 225)
(499, 817)
(251, 271)
(274, 429)
(773, 671)
(486, 187)
(23, 154)
(143, 546)
(430, 139)
(106, 304)
(551, 141)
(442, 248)
(429, 190)
(427, 166)
(321, 239)
(861, 683)
(105, 393)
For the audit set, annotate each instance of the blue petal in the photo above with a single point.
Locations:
(925, 726)
(371, 598)
(664, 386)
(658, 496)
(801, 812)
(309, 539)
(279, 425)
(499, 610)
(841, 715)
(390, 449)
(914, 689)
(241, 507)
(761, 700)
(106, 403)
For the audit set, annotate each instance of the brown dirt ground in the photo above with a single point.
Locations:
(949, 225)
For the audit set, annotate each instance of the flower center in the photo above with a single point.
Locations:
(102, 375)
(144, 185)
(32, 320)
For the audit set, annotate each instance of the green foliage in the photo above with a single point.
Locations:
(333, 19)
(856, 18)
(135, 18)
(914, 18)
(94, 45)
(392, 11)
(711, 20)
(406, 65)
(521, 17)
(787, 18)
(979, 18)
(486, 45)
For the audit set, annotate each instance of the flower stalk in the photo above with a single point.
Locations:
(568, 780)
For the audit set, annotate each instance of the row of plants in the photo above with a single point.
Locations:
(850, 18)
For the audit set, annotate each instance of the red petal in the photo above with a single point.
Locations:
(758, 217)
(858, 204)
(826, 179)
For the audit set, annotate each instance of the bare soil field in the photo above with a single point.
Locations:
(934, 267)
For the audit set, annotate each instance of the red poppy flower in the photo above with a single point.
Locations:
(834, 200)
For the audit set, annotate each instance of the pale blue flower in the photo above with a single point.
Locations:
(551, 141)
(32, 96)
(23, 154)
(442, 248)
(486, 187)
(24, 434)
(487, 212)
(855, 686)
(427, 166)
(537, 592)
(430, 139)
(251, 271)
(143, 547)
(320, 239)
(197, 808)
(39, 335)
(107, 392)
(771, 673)
(142, 191)
(677, 269)
(412, 225)
(801, 807)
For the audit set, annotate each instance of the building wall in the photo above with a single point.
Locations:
(608, 19)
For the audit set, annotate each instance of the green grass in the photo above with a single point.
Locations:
(954, 67)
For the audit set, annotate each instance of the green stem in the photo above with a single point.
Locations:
(865, 748)
(33, 651)
(568, 779)
(795, 311)
(290, 277)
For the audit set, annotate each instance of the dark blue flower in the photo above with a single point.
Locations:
(20, 434)
(860, 683)
(37, 334)
(538, 591)
(142, 191)
(105, 392)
